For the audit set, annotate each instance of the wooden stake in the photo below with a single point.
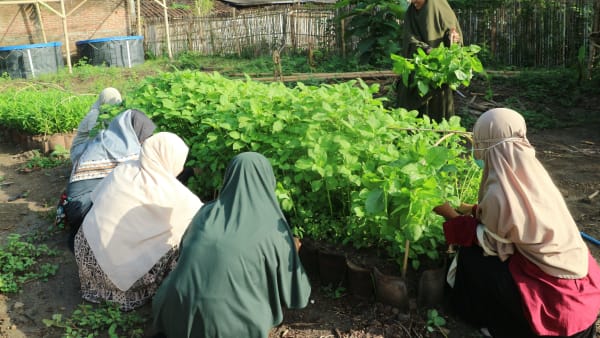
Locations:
(405, 262)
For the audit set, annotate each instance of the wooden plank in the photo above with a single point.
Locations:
(326, 76)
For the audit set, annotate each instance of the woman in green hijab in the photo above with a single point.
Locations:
(238, 264)
(429, 24)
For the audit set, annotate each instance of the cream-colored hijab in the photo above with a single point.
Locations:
(519, 204)
(140, 211)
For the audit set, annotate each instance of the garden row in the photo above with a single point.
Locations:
(349, 170)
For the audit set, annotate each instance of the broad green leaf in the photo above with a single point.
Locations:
(436, 157)
(460, 75)
(375, 202)
(423, 87)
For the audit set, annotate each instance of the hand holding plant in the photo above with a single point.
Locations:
(453, 66)
(446, 210)
(465, 209)
(297, 243)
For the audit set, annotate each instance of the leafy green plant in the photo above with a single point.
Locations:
(349, 170)
(427, 169)
(21, 262)
(453, 66)
(60, 152)
(93, 321)
(435, 322)
(377, 27)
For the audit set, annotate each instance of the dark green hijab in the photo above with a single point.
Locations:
(238, 264)
(428, 26)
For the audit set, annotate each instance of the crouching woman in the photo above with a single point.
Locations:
(523, 269)
(238, 266)
(129, 240)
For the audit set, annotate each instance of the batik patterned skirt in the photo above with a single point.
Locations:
(96, 287)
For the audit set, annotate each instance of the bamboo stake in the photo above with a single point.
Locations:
(405, 261)
(39, 14)
(63, 16)
(438, 142)
(350, 75)
(139, 18)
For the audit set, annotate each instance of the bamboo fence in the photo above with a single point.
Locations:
(531, 33)
(520, 33)
(252, 33)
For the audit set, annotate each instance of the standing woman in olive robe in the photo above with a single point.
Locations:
(238, 265)
(429, 24)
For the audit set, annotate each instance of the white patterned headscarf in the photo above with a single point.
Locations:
(519, 205)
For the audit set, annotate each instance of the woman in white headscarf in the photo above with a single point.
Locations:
(523, 269)
(129, 240)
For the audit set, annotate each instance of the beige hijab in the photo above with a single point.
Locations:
(519, 204)
(140, 211)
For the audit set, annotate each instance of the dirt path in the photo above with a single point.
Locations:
(572, 156)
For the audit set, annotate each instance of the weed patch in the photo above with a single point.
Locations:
(21, 262)
(91, 321)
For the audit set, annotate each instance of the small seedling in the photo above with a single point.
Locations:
(334, 293)
(435, 322)
(60, 152)
(92, 321)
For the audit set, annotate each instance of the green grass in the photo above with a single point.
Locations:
(263, 65)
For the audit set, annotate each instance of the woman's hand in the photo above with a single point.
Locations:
(297, 243)
(446, 210)
(454, 36)
(465, 209)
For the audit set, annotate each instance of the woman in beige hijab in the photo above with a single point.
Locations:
(523, 269)
(129, 240)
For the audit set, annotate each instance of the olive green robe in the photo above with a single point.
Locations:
(428, 27)
(238, 264)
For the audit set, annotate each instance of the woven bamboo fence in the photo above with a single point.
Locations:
(521, 33)
(529, 33)
(252, 33)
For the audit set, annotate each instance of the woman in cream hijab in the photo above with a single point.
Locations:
(128, 241)
(523, 269)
